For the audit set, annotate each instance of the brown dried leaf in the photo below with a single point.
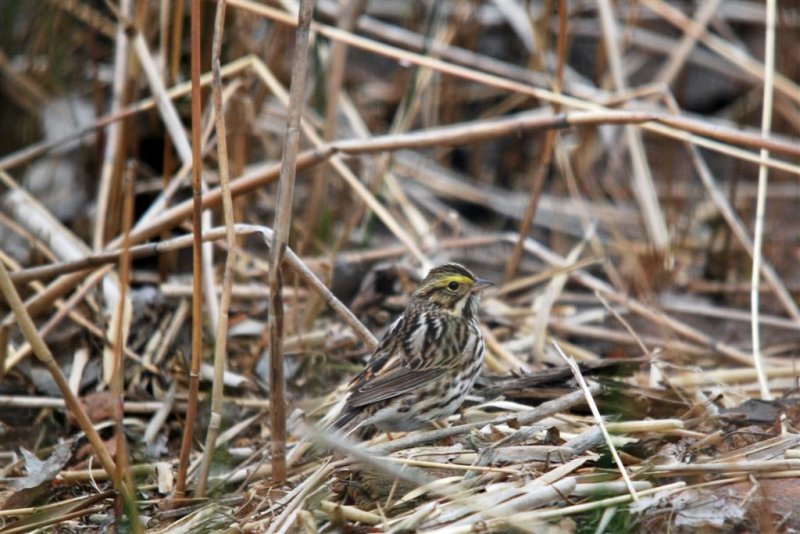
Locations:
(40, 475)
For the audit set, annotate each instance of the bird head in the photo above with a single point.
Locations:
(452, 288)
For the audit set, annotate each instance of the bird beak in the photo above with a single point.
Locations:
(480, 284)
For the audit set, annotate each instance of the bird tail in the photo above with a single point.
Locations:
(339, 418)
(347, 421)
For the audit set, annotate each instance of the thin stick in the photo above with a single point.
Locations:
(177, 243)
(599, 418)
(280, 239)
(724, 49)
(543, 165)
(335, 74)
(122, 476)
(524, 518)
(625, 323)
(643, 187)
(42, 352)
(766, 123)
(67, 309)
(675, 127)
(24, 155)
(537, 185)
(113, 149)
(680, 54)
(197, 261)
(527, 417)
(344, 171)
(220, 346)
(740, 231)
(636, 306)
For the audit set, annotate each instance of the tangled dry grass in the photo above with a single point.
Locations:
(211, 210)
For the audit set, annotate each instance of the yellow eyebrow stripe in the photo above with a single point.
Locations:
(460, 278)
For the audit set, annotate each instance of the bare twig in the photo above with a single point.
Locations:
(670, 126)
(122, 476)
(283, 216)
(197, 252)
(739, 229)
(220, 346)
(177, 243)
(46, 357)
(642, 177)
(113, 154)
(678, 57)
(599, 418)
(335, 77)
(766, 122)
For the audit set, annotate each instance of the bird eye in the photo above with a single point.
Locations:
(453, 286)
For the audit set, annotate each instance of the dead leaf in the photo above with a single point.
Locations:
(40, 475)
(98, 407)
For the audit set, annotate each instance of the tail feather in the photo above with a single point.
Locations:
(347, 421)
(341, 419)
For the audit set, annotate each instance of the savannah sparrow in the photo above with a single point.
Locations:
(426, 362)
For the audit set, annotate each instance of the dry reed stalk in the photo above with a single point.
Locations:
(758, 230)
(122, 477)
(64, 244)
(727, 468)
(733, 220)
(382, 176)
(678, 128)
(113, 154)
(27, 91)
(46, 357)
(352, 513)
(429, 138)
(546, 409)
(177, 243)
(197, 263)
(336, 162)
(642, 176)
(448, 202)
(543, 165)
(169, 52)
(679, 55)
(537, 185)
(220, 346)
(524, 518)
(624, 323)
(164, 104)
(66, 503)
(30, 526)
(425, 484)
(335, 77)
(229, 434)
(724, 49)
(728, 376)
(638, 307)
(65, 309)
(297, 497)
(280, 239)
(130, 407)
(24, 155)
(544, 303)
(158, 419)
(596, 412)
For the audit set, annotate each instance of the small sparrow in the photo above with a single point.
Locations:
(427, 361)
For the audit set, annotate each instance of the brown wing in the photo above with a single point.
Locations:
(398, 367)
(396, 382)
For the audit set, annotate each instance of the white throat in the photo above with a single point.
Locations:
(458, 309)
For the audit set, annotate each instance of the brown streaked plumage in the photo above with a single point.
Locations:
(427, 361)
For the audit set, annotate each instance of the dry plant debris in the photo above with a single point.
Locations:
(625, 171)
